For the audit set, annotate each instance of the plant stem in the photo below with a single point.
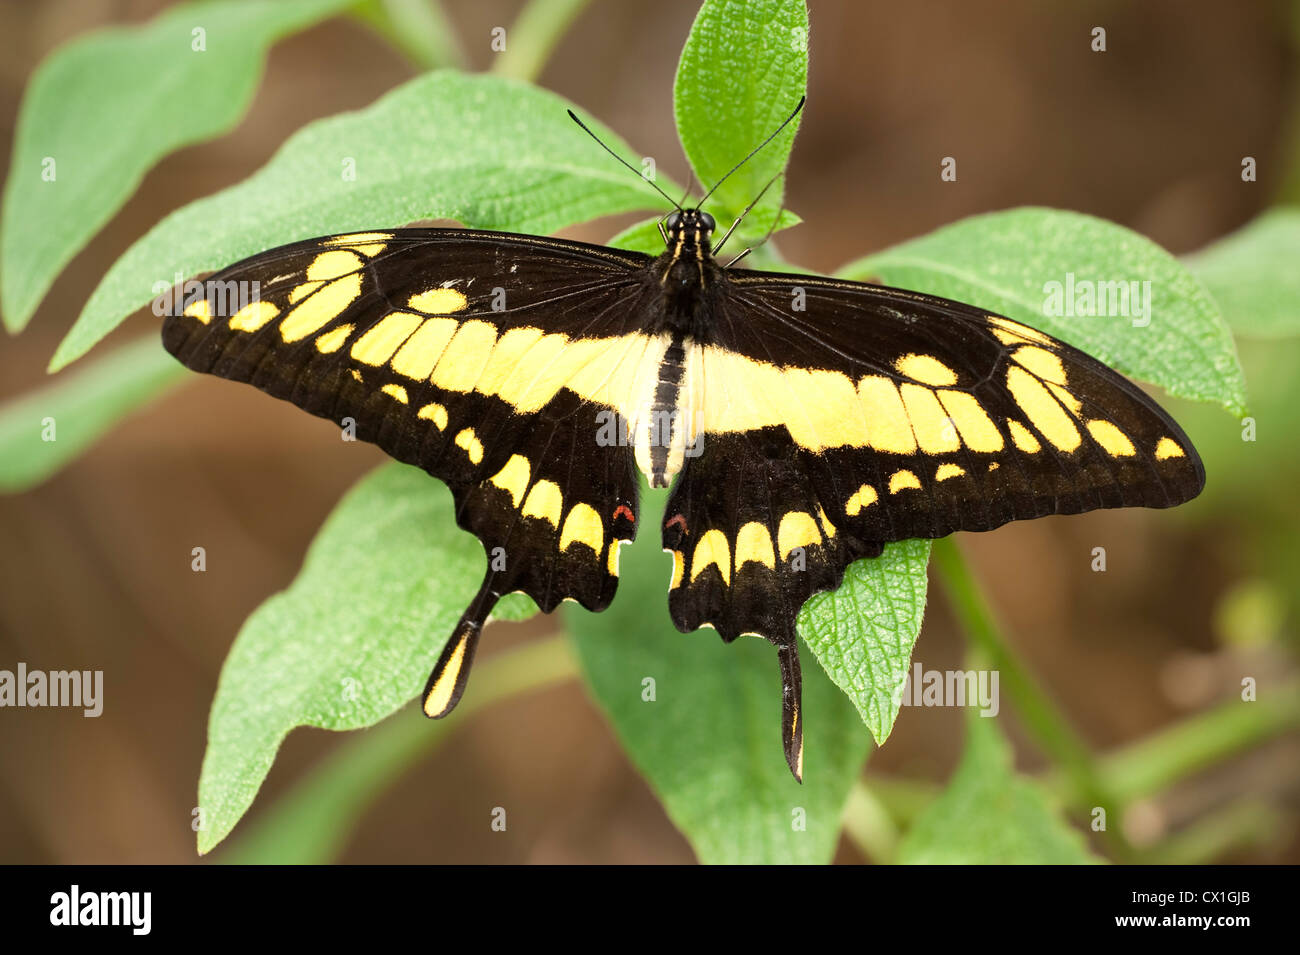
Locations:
(533, 36)
(1053, 732)
(419, 28)
(1154, 763)
(312, 822)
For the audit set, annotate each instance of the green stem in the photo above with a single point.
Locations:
(1153, 764)
(533, 36)
(420, 29)
(1247, 823)
(1053, 732)
(312, 822)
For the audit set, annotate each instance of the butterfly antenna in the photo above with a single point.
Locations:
(775, 132)
(740, 218)
(651, 182)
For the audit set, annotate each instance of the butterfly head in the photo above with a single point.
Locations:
(689, 230)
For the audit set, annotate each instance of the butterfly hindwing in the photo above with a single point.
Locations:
(490, 361)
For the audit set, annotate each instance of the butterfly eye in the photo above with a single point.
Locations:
(707, 222)
(673, 220)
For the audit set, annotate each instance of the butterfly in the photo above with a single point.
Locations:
(802, 422)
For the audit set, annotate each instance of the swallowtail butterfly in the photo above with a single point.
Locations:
(805, 421)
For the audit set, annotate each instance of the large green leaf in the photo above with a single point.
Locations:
(1254, 277)
(710, 742)
(489, 152)
(744, 67)
(1003, 261)
(80, 407)
(989, 815)
(863, 633)
(352, 638)
(106, 107)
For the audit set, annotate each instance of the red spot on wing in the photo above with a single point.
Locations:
(675, 521)
(624, 511)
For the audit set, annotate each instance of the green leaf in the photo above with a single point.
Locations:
(107, 106)
(1252, 274)
(710, 742)
(489, 152)
(863, 633)
(744, 67)
(352, 638)
(80, 407)
(312, 823)
(1003, 261)
(989, 815)
(644, 236)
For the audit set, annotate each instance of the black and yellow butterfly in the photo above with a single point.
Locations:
(807, 421)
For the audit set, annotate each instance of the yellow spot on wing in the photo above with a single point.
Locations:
(968, 416)
(888, 426)
(438, 301)
(582, 525)
(300, 292)
(253, 316)
(441, 691)
(436, 413)
(1111, 438)
(1066, 397)
(199, 310)
(1012, 333)
(379, 342)
(310, 316)
(679, 570)
(333, 340)
(1168, 449)
(864, 496)
(468, 440)
(420, 353)
(798, 529)
(611, 562)
(396, 391)
(946, 471)
(544, 501)
(1041, 362)
(935, 433)
(332, 264)
(514, 477)
(901, 480)
(1042, 409)
(754, 543)
(468, 351)
(1024, 438)
(712, 549)
(926, 369)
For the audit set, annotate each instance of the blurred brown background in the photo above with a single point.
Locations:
(94, 566)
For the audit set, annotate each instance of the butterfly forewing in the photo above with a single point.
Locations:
(499, 364)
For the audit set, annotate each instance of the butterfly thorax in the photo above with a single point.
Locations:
(686, 271)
